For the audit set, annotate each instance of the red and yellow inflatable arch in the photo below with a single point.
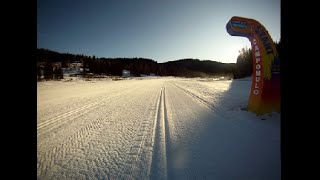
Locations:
(265, 87)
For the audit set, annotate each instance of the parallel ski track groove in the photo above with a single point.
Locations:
(89, 131)
(160, 140)
(68, 116)
(135, 151)
(233, 119)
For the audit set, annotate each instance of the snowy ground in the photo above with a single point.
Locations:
(153, 128)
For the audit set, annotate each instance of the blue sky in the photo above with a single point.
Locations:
(162, 30)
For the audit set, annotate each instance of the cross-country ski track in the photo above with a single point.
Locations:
(154, 128)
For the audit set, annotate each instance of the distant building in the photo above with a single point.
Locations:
(126, 73)
(73, 69)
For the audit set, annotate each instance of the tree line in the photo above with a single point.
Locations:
(48, 69)
(243, 67)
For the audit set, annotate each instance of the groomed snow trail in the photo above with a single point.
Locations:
(153, 128)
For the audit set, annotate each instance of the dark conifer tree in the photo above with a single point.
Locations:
(48, 71)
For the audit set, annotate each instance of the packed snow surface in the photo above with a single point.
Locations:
(154, 128)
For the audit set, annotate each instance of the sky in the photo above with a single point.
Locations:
(162, 30)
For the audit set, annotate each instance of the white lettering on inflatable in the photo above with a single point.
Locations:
(258, 73)
(256, 48)
(257, 67)
(254, 41)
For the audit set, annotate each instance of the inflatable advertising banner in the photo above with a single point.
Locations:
(265, 86)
